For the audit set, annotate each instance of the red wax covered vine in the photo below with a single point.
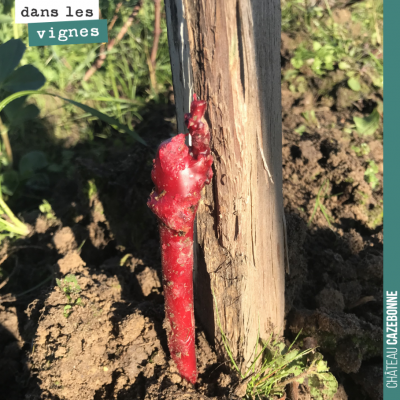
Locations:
(179, 174)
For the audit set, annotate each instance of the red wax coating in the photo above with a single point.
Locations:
(179, 174)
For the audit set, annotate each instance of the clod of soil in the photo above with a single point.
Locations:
(64, 240)
(108, 347)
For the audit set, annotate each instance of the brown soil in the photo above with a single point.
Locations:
(113, 346)
(109, 347)
(334, 290)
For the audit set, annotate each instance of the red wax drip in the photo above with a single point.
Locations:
(179, 174)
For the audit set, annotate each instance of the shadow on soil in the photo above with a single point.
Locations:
(105, 235)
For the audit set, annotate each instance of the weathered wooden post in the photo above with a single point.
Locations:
(228, 52)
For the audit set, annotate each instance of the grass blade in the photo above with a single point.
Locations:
(109, 120)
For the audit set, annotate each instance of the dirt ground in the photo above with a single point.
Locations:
(113, 346)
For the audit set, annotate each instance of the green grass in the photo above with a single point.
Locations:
(120, 88)
(52, 126)
(338, 51)
(71, 289)
(275, 365)
(10, 225)
(349, 40)
(319, 205)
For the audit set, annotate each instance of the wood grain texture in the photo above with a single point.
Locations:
(235, 62)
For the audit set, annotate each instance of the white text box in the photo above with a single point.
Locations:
(31, 11)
